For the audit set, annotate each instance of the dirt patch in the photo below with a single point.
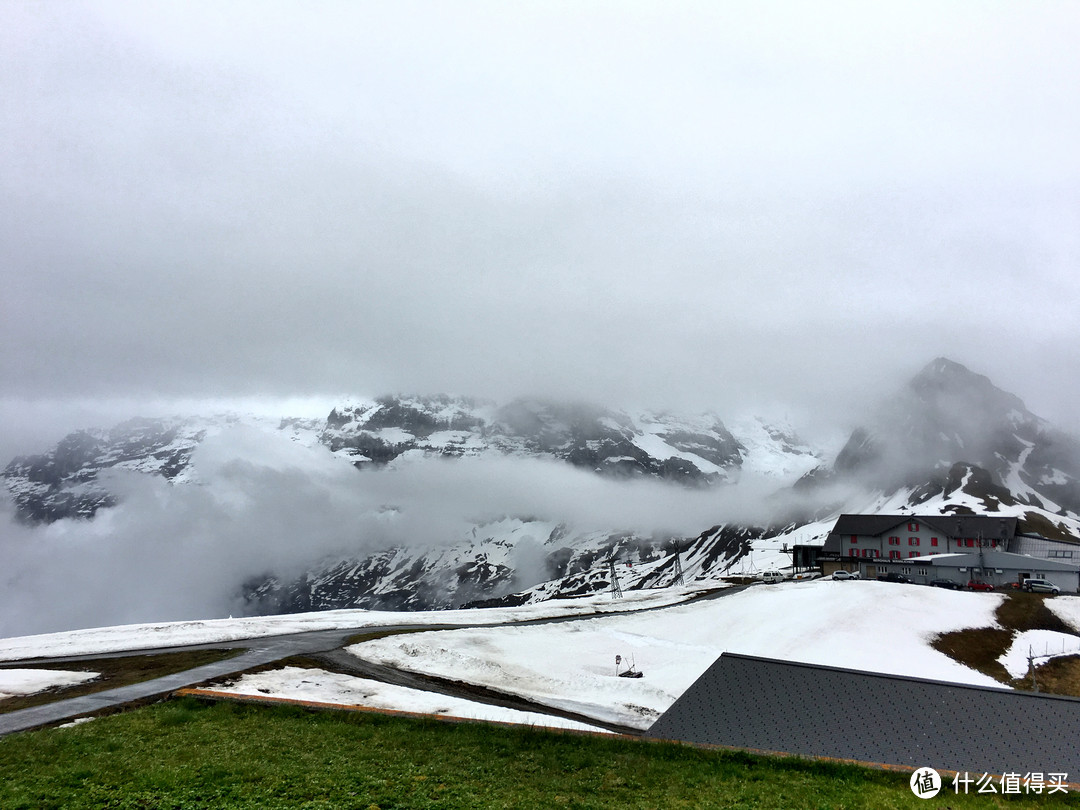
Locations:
(1028, 611)
(113, 672)
(1058, 676)
(980, 648)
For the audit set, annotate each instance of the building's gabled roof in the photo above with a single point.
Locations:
(990, 528)
(769, 705)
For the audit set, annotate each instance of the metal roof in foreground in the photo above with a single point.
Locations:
(744, 701)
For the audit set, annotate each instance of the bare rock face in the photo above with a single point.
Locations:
(63, 483)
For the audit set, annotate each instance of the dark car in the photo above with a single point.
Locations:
(947, 583)
(979, 586)
(893, 578)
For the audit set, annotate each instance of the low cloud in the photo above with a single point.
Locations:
(262, 503)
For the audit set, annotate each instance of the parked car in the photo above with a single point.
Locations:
(893, 578)
(772, 577)
(841, 575)
(1041, 586)
(979, 586)
(947, 583)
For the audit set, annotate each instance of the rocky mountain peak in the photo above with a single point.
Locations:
(947, 415)
(957, 394)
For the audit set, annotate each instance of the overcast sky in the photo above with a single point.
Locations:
(662, 204)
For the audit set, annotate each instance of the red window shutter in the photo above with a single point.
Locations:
(933, 541)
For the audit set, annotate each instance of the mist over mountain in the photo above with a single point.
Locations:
(948, 414)
(412, 502)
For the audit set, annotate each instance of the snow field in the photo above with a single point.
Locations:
(101, 640)
(879, 627)
(321, 686)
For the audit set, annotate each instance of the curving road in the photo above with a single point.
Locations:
(323, 644)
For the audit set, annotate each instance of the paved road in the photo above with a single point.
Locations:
(261, 651)
(266, 650)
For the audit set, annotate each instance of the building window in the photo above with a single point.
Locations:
(913, 541)
(970, 543)
(894, 555)
(1060, 554)
(913, 554)
(854, 539)
(894, 541)
(913, 527)
(933, 541)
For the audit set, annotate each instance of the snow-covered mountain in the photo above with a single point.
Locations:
(949, 442)
(696, 450)
(493, 558)
(63, 482)
(948, 414)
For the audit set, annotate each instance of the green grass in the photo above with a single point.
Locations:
(187, 754)
(113, 672)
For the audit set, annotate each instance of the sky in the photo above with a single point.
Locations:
(695, 205)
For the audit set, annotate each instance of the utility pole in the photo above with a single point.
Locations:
(616, 588)
(678, 563)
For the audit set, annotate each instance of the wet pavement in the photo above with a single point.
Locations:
(260, 651)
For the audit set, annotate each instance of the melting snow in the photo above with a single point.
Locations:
(172, 634)
(321, 686)
(1043, 644)
(571, 665)
(30, 681)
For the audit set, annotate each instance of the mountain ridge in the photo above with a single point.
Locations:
(947, 442)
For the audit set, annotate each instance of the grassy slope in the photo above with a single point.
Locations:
(183, 754)
(980, 649)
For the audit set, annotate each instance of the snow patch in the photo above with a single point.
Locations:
(31, 681)
(1042, 644)
(295, 683)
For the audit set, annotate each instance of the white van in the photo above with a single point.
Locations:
(772, 577)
